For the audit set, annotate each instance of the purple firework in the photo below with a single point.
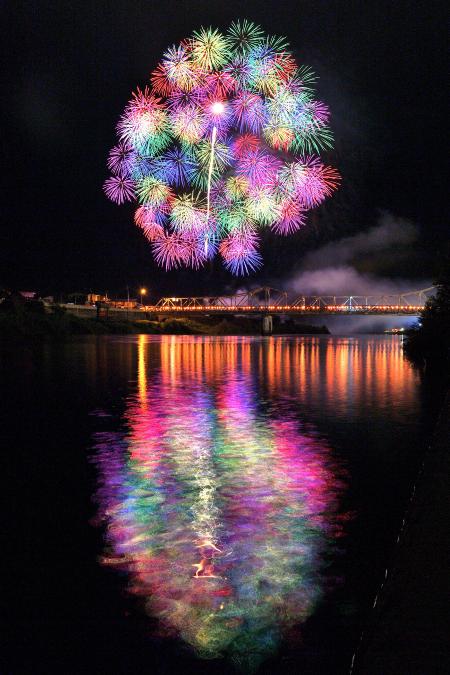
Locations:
(121, 159)
(119, 189)
(258, 167)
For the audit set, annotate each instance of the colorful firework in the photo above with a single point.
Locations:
(152, 191)
(147, 214)
(188, 124)
(230, 118)
(240, 251)
(187, 214)
(292, 217)
(170, 250)
(176, 167)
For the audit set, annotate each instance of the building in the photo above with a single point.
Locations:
(123, 304)
(92, 298)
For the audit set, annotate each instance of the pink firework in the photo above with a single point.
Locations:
(119, 189)
(152, 231)
(170, 250)
(320, 183)
(320, 112)
(150, 218)
(180, 99)
(220, 85)
(293, 217)
(197, 249)
(258, 167)
(240, 251)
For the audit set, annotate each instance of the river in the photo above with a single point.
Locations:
(204, 504)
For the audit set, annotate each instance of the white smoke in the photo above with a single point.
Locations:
(389, 232)
(346, 280)
(328, 270)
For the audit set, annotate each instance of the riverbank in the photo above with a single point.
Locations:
(409, 631)
(61, 325)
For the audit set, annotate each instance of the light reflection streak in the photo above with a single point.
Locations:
(220, 510)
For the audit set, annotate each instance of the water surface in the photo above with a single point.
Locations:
(216, 504)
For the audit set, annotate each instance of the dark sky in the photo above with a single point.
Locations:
(69, 69)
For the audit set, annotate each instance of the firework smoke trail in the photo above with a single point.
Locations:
(210, 170)
(220, 107)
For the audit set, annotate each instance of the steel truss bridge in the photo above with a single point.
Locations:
(267, 300)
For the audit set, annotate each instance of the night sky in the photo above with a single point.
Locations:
(70, 67)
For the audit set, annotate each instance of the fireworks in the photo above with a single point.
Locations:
(121, 160)
(170, 250)
(119, 189)
(152, 191)
(225, 142)
(187, 215)
(292, 217)
(258, 167)
(239, 251)
(210, 49)
(248, 111)
(176, 167)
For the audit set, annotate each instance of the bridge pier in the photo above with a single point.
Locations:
(267, 324)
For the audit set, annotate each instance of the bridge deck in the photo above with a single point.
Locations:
(265, 300)
(287, 309)
(258, 310)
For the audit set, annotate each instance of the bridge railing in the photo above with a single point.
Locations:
(412, 299)
(258, 297)
(269, 299)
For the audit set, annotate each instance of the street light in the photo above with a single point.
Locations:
(143, 291)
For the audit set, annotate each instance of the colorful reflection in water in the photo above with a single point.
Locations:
(219, 506)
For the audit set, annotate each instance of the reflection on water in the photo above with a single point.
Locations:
(219, 511)
(222, 503)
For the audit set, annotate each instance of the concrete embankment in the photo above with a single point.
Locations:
(409, 628)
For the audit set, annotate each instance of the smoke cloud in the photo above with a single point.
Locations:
(329, 269)
(389, 232)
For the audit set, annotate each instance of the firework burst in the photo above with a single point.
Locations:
(121, 160)
(224, 143)
(187, 214)
(170, 250)
(240, 252)
(210, 49)
(119, 189)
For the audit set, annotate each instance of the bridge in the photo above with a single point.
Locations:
(266, 300)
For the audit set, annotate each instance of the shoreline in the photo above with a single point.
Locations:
(63, 325)
(407, 632)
